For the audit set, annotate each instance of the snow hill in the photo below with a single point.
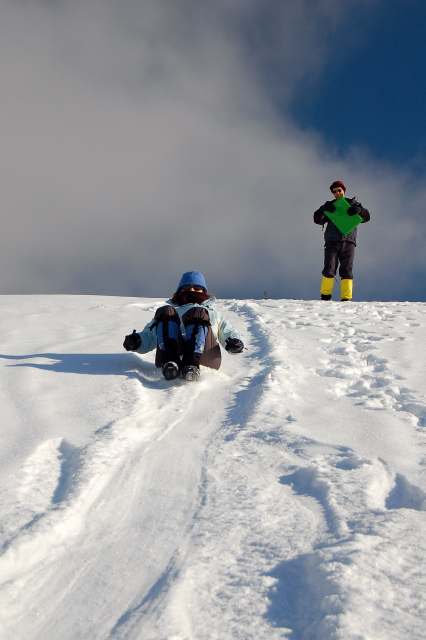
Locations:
(281, 497)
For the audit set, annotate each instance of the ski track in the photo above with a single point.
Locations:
(226, 509)
(75, 486)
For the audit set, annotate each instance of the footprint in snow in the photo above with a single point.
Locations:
(405, 495)
(361, 374)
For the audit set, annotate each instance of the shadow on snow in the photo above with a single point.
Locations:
(95, 364)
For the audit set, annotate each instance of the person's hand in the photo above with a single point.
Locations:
(233, 345)
(354, 210)
(329, 206)
(132, 342)
(320, 217)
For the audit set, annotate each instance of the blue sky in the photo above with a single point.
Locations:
(144, 139)
(374, 96)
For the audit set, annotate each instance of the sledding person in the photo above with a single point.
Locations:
(339, 249)
(186, 332)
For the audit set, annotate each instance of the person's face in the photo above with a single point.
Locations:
(337, 192)
(191, 287)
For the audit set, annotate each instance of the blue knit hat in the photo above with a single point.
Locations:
(192, 277)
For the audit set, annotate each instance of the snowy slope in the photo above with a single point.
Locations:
(281, 497)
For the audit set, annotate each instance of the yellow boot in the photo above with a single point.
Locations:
(346, 287)
(326, 288)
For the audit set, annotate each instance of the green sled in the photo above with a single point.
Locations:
(340, 218)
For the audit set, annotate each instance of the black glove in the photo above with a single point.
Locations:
(233, 345)
(320, 217)
(354, 210)
(329, 206)
(132, 342)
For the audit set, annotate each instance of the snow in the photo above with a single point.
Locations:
(283, 496)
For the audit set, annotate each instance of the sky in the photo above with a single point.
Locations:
(144, 139)
(384, 68)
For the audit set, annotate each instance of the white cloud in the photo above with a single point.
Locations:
(138, 142)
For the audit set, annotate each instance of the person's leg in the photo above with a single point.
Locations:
(329, 271)
(346, 289)
(200, 345)
(346, 257)
(169, 341)
(326, 288)
(196, 322)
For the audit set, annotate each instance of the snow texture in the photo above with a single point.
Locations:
(283, 496)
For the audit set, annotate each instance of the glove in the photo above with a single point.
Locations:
(354, 210)
(329, 206)
(132, 342)
(320, 217)
(233, 345)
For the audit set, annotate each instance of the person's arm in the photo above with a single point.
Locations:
(357, 209)
(142, 342)
(365, 215)
(227, 332)
(319, 214)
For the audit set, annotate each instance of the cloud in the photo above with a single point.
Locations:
(142, 139)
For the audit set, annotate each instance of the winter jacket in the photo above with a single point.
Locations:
(332, 233)
(222, 329)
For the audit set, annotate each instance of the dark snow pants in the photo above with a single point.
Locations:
(196, 346)
(339, 254)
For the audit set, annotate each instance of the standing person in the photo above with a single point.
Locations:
(339, 250)
(186, 332)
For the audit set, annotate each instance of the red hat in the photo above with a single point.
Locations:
(338, 183)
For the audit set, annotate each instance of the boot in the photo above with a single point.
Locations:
(190, 372)
(346, 288)
(326, 288)
(170, 370)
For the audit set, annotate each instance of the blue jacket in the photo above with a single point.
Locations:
(222, 329)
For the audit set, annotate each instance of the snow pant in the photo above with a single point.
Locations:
(197, 345)
(338, 255)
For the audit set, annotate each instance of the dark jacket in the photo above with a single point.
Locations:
(332, 233)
